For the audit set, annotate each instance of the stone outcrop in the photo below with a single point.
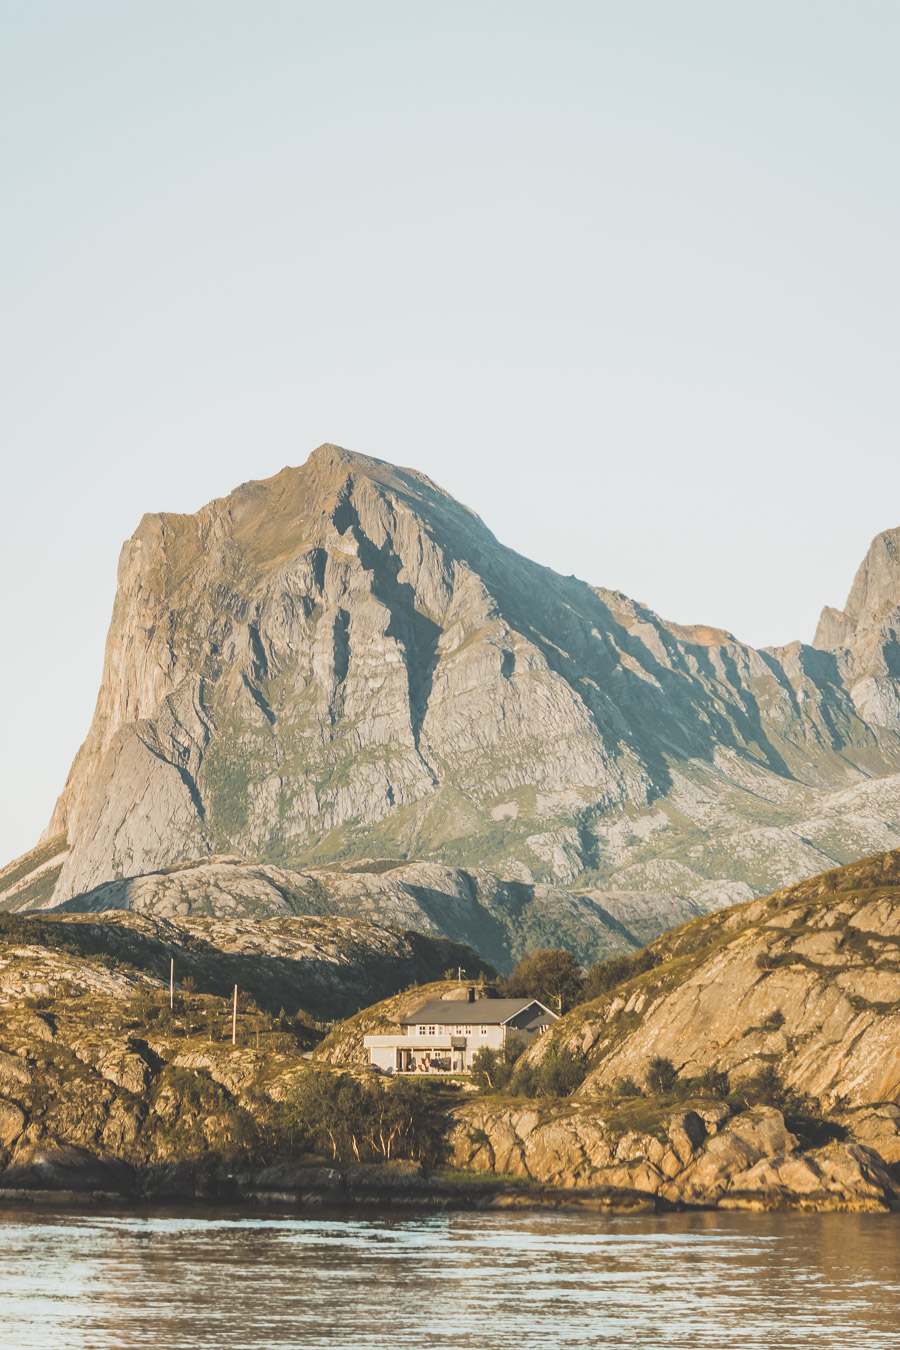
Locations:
(342, 661)
(706, 1157)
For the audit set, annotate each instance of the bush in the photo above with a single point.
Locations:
(492, 1070)
(766, 1088)
(774, 1021)
(625, 1087)
(661, 1076)
(715, 1082)
(559, 1073)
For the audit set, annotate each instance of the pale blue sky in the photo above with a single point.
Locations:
(621, 276)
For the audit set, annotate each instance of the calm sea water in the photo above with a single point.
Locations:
(191, 1280)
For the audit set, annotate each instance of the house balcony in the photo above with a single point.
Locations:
(417, 1054)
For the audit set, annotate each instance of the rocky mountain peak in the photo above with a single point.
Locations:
(865, 635)
(341, 661)
(874, 596)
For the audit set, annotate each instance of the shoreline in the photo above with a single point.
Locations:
(307, 1190)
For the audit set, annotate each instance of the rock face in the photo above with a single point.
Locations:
(701, 1157)
(342, 662)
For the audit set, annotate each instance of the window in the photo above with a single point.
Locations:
(458, 1030)
(432, 1031)
(484, 1031)
(467, 1031)
(420, 1030)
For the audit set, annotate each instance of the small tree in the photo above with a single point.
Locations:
(351, 1121)
(607, 975)
(550, 974)
(661, 1076)
(492, 1070)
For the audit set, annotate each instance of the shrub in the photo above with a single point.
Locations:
(559, 1073)
(625, 1087)
(715, 1082)
(661, 1076)
(774, 1021)
(607, 975)
(492, 1070)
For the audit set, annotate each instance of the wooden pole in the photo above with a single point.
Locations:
(172, 983)
(234, 1019)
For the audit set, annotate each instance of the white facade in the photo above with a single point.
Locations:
(449, 1036)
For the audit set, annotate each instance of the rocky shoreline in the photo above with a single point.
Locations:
(844, 1177)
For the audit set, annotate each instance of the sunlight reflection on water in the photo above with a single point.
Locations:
(198, 1281)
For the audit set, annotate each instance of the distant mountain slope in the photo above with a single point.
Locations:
(343, 662)
(502, 920)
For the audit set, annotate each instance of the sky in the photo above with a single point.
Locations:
(621, 276)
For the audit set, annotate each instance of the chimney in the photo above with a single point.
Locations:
(470, 993)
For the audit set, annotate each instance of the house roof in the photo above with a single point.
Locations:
(493, 1012)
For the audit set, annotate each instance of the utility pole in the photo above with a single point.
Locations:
(234, 1019)
(172, 983)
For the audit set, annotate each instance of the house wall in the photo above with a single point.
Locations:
(394, 1055)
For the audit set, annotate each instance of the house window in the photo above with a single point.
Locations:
(420, 1030)
(458, 1030)
(432, 1031)
(467, 1030)
(484, 1031)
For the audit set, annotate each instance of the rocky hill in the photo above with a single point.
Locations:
(747, 1060)
(751, 1058)
(326, 968)
(342, 662)
(807, 980)
(773, 1029)
(503, 919)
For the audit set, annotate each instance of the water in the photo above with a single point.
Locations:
(554, 1281)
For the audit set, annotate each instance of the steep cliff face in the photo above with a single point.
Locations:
(342, 661)
(865, 635)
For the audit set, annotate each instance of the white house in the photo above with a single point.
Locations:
(445, 1035)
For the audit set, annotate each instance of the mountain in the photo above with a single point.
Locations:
(342, 662)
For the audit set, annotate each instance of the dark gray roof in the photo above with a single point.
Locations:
(488, 1012)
